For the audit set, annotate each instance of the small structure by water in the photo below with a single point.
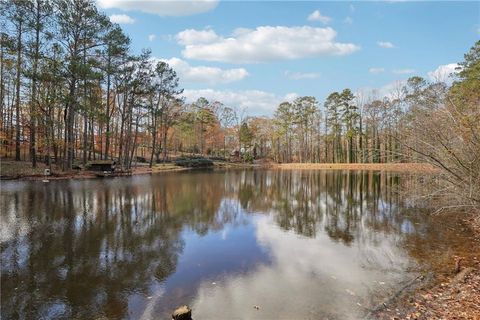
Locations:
(101, 165)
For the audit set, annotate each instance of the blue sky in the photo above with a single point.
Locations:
(254, 54)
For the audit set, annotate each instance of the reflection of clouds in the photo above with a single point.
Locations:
(308, 278)
(11, 225)
(152, 301)
(225, 233)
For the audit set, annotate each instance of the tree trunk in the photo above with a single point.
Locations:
(107, 112)
(69, 123)
(17, 100)
(2, 127)
(165, 133)
(154, 137)
(134, 147)
(33, 103)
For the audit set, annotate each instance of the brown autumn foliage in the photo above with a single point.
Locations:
(445, 130)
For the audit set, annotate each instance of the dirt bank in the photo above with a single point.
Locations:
(394, 167)
(11, 170)
(455, 295)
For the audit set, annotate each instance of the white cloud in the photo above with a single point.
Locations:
(265, 43)
(376, 70)
(204, 74)
(161, 7)
(352, 8)
(291, 96)
(392, 90)
(385, 44)
(317, 16)
(443, 73)
(255, 102)
(348, 20)
(192, 37)
(404, 71)
(151, 37)
(121, 19)
(301, 75)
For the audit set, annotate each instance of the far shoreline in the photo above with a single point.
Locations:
(21, 175)
(390, 167)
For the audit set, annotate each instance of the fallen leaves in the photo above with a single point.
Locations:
(447, 300)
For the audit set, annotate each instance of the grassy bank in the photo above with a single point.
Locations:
(394, 167)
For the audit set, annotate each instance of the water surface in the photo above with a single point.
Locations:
(298, 244)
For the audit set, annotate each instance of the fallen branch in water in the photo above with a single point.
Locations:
(392, 298)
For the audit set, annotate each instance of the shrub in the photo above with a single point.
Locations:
(247, 157)
(194, 162)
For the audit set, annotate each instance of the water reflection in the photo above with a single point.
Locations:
(301, 244)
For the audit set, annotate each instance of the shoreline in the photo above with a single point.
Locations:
(390, 167)
(81, 175)
(140, 170)
(440, 296)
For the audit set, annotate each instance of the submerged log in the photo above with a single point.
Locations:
(182, 313)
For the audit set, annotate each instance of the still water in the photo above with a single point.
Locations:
(297, 244)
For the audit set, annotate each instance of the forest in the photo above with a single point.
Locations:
(72, 90)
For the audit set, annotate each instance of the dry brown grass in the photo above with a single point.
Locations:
(395, 167)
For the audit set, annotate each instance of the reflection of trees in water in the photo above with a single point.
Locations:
(92, 243)
(341, 203)
(195, 199)
(356, 206)
(88, 245)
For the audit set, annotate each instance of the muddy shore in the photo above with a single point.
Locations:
(450, 293)
(22, 171)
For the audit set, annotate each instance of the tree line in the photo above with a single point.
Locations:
(72, 90)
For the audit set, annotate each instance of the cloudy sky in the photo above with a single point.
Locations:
(255, 54)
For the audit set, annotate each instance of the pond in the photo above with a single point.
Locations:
(297, 244)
